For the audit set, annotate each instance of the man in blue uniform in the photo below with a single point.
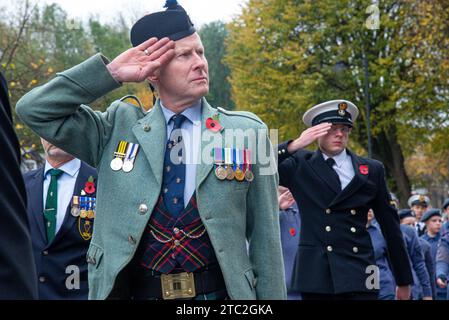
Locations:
(17, 272)
(334, 189)
(432, 221)
(61, 211)
(419, 204)
(386, 283)
(442, 268)
(290, 224)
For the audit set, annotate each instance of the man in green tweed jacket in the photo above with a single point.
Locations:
(238, 254)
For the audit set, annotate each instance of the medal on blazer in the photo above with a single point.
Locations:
(90, 207)
(230, 175)
(75, 210)
(83, 207)
(249, 176)
(130, 157)
(220, 172)
(239, 174)
(119, 154)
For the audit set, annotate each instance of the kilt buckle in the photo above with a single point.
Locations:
(178, 286)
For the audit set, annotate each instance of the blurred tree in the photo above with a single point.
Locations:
(213, 36)
(287, 55)
(38, 41)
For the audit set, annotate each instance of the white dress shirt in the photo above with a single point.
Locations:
(191, 135)
(343, 166)
(66, 187)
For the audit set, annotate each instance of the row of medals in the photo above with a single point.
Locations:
(228, 173)
(83, 214)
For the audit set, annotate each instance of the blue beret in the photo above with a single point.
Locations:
(405, 213)
(173, 23)
(430, 213)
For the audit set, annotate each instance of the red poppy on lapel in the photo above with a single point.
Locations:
(364, 169)
(292, 232)
(89, 188)
(212, 124)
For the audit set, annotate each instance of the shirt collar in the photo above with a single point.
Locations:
(71, 168)
(339, 158)
(193, 113)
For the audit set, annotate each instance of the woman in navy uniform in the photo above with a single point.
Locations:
(336, 189)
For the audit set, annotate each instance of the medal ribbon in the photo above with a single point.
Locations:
(228, 156)
(121, 149)
(247, 156)
(131, 152)
(218, 156)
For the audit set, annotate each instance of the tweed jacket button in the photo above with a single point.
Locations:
(146, 128)
(143, 209)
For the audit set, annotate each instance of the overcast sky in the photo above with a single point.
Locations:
(200, 11)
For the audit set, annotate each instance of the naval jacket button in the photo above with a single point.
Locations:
(329, 248)
(353, 230)
(328, 211)
(45, 253)
(353, 212)
(328, 229)
(42, 279)
(355, 249)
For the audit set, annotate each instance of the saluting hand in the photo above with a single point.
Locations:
(309, 136)
(138, 63)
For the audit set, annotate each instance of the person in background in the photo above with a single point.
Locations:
(61, 211)
(422, 289)
(442, 267)
(419, 204)
(290, 223)
(432, 221)
(386, 283)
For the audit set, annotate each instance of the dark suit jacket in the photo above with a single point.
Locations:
(68, 247)
(335, 248)
(17, 273)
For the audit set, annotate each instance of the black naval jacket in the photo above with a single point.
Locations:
(17, 272)
(335, 248)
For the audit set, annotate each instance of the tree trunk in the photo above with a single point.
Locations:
(387, 150)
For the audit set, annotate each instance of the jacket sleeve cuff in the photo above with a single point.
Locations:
(93, 76)
(283, 151)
